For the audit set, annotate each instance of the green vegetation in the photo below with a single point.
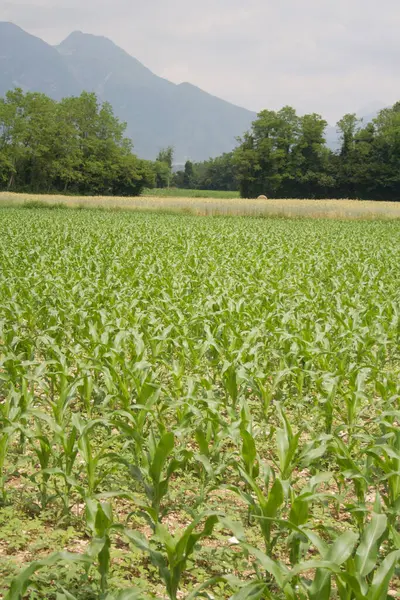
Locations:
(286, 156)
(77, 147)
(163, 167)
(74, 146)
(175, 192)
(195, 407)
(213, 174)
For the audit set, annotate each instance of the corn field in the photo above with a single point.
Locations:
(199, 407)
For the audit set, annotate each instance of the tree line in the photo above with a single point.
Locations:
(74, 146)
(286, 156)
(78, 146)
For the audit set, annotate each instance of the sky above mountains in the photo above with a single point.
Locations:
(327, 56)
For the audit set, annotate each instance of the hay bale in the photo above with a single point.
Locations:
(262, 198)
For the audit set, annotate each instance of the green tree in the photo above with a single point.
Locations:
(214, 174)
(218, 174)
(275, 135)
(285, 155)
(76, 145)
(385, 157)
(347, 128)
(188, 176)
(163, 167)
(247, 166)
(310, 175)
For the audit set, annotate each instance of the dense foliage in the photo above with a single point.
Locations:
(78, 146)
(285, 156)
(213, 174)
(75, 146)
(198, 407)
(163, 167)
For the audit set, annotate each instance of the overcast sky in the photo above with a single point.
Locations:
(326, 56)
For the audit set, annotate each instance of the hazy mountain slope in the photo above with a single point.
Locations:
(158, 112)
(29, 63)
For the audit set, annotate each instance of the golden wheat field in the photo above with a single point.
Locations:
(333, 209)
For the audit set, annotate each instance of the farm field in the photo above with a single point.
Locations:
(198, 407)
(185, 193)
(222, 205)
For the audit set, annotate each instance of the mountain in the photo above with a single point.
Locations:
(158, 113)
(31, 64)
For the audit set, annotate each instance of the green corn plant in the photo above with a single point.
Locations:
(41, 446)
(55, 451)
(359, 571)
(337, 554)
(354, 397)
(65, 464)
(213, 463)
(61, 390)
(213, 432)
(134, 422)
(99, 520)
(379, 587)
(288, 581)
(8, 412)
(177, 549)
(287, 445)
(124, 388)
(354, 468)
(264, 502)
(63, 448)
(41, 450)
(366, 574)
(386, 387)
(154, 473)
(300, 513)
(15, 407)
(184, 406)
(86, 388)
(385, 455)
(250, 459)
(4, 441)
(232, 379)
(92, 457)
(25, 402)
(267, 387)
(211, 458)
(327, 386)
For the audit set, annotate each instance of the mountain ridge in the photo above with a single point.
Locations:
(158, 113)
(26, 59)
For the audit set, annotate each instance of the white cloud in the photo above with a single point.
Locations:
(328, 56)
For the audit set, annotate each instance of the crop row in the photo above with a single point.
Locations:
(212, 403)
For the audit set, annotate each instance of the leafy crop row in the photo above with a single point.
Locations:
(213, 403)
